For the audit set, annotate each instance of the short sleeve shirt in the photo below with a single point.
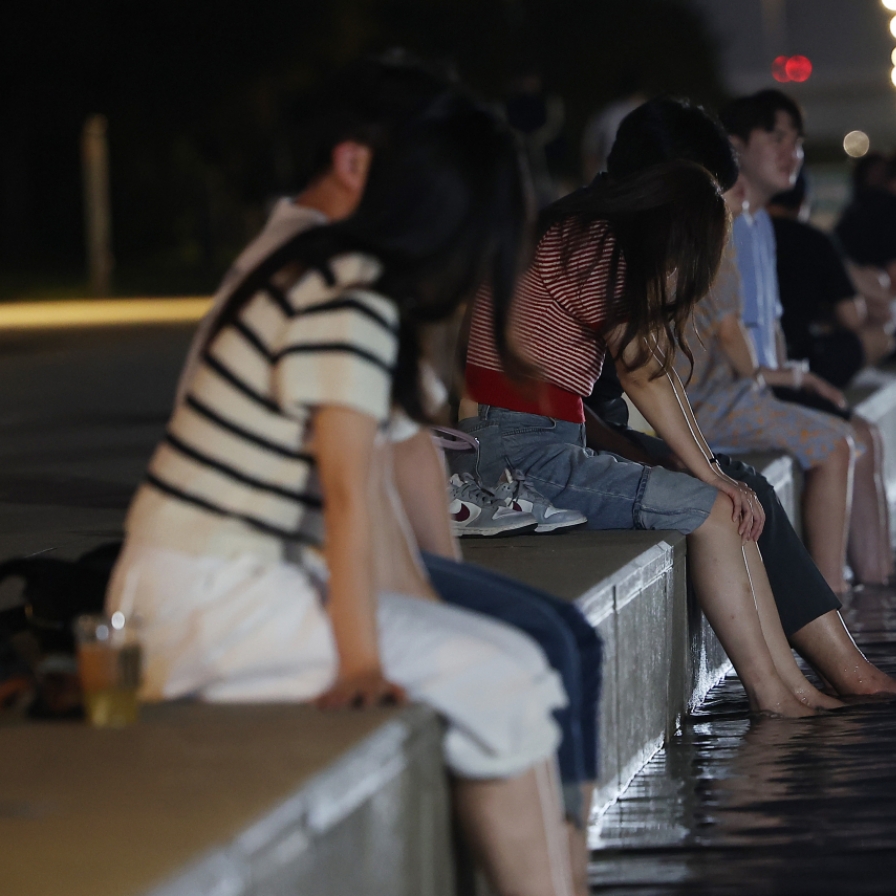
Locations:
(561, 305)
(754, 241)
(237, 463)
(812, 279)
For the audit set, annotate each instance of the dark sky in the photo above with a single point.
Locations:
(200, 96)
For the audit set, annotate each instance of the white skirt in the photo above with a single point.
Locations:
(248, 630)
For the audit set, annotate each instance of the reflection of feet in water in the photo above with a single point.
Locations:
(768, 715)
(865, 699)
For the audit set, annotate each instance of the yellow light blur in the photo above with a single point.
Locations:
(856, 144)
(893, 75)
(889, 4)
(100, 313)
(893, 26)
(893, 54)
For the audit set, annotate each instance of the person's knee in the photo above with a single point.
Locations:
(867, 435)
(842, 457)
(720, 517)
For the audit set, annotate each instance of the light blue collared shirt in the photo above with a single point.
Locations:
(754, 241)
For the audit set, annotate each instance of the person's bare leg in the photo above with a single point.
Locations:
(723, 589)
(778, 645)
(827, 495)
(825, 643)
(869, 552)
(577, 836)
(514, 828)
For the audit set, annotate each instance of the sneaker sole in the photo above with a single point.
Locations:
(497, 533)
(544, 528)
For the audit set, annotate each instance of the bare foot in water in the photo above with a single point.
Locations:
(865, 681)
(775, 700)
(816, 699)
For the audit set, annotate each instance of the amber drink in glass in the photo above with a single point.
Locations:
(109, 668)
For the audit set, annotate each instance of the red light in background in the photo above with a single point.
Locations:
(791, 68)
(779, 69)
(798, 68)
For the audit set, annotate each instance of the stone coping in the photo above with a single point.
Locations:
(193, 798)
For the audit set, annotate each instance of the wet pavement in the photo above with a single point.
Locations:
(736, 805)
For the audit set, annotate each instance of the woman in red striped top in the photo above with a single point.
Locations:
(619, 268)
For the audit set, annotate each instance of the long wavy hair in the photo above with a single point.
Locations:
(666, 230)
(447, 207)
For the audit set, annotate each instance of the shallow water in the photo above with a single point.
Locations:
(737, 805)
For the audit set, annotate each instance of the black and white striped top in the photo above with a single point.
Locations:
(234, 472)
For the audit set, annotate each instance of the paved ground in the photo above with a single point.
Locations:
(80, 411)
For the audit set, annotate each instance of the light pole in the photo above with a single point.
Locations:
(774, 26)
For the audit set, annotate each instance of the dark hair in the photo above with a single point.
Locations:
(793, 198)
(664, 129)
(668, 216)
(446, 207)
(363, 102)
(758, 111)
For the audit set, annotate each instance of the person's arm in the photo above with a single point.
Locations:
(420, 479)
(875, 288)
(665, 406)
(852, 313)
(737, 345)
(601, 437)
(343, 445)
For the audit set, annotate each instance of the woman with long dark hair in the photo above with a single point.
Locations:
(282, 432)
(619, 268)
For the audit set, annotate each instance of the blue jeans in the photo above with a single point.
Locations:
(571, 646)
(612, 492)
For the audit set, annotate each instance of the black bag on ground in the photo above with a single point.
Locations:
(55, 592)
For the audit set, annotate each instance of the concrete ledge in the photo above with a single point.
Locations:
(195, 798)
(659, 656)
(878, 405)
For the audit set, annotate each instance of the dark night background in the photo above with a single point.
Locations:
(201, 97)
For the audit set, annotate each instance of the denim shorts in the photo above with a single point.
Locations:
(612, 492)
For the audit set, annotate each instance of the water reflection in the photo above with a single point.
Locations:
(745, 806)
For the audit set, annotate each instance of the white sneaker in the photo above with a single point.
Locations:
(475, 511)
(514, 489)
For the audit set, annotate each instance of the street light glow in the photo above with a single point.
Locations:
(856, 144)
(889, 4)
(100, 313)
(893, 26)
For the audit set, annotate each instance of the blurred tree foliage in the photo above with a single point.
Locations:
(201, 96)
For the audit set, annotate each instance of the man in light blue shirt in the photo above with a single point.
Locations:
(766, 130)
(754, 241)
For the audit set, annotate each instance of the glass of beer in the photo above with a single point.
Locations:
(109, 668)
